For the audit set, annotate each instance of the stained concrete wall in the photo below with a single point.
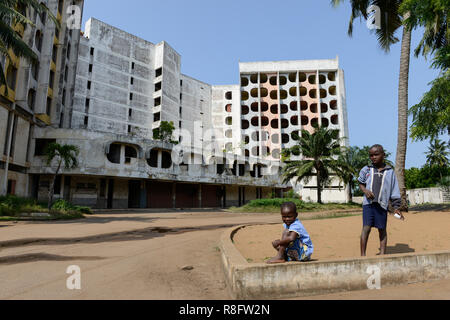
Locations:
(21, 179)
(121, 93)
(3, 128)
(195, 108)
(21, 141)
(232, 196)
(220, 99)
(427, 195)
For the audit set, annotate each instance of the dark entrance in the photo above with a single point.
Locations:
(110, 193)
(211, 196)
(66, 194)
(35, 186)
(187, 195)
(134, 193)
(159, 194)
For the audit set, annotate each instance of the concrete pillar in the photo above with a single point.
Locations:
(159, 158)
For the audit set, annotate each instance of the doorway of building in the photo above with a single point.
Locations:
(134, 192)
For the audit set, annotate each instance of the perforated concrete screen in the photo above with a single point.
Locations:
(276, 106)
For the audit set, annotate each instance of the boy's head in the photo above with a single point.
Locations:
(376, 154)
(288, 212)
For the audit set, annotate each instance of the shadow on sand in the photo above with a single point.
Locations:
(34, 257)
(399, 248)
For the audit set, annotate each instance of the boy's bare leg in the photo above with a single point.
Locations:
(364, 237)
(280, 258)
(383, 241)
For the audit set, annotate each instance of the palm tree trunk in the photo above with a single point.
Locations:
(319, 189)
(350, 190)
(51, 192)
(402, 138)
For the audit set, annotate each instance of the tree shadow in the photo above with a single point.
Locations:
(399, 248)
(130, 235)
(34, 257)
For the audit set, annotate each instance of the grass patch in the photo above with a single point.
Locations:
(273, 206)
(14, 208)
(332, 216)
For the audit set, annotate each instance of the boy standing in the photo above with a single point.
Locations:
(295, 243)
(379, 185)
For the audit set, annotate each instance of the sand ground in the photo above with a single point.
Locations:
(339, 237)
(170, 255)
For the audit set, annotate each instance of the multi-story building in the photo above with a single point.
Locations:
(274, 101)
(38, 95)
(228, 138)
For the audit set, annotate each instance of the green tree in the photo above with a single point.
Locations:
(392, 20)
(13, 12)
(431, 116)
(164, 132)
(425, 177)
(66, 154)
(321, 153)
(437, 155)
(355, 160)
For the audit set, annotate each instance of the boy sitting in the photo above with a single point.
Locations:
(295, 243)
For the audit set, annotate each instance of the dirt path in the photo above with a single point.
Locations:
(124, 256)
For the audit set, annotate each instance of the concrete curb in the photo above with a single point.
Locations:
(295, 279)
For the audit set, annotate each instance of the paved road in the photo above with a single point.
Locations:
(138, 256)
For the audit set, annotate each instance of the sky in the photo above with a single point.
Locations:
(213, 36)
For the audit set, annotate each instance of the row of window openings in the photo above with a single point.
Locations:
(302, 77)
(283, 109)
(263, 92)
(274, 124)
(166, 161)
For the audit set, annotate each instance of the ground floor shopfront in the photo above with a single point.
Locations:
(115, 193)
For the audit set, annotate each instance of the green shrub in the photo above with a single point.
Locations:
(274, 205)
(12, 205)
(63, 205)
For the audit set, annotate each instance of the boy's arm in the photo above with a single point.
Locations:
(288, 239)
(395, 197)
(362, 183)
(369, 194)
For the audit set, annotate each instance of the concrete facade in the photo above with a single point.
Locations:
(428, 195)
(114, 89)
(38, 95)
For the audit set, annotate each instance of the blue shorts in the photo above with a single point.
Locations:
(297, 252)
(374, 216)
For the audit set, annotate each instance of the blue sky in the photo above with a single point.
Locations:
(213, 36)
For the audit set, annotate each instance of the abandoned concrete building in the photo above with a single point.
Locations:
(37, 95)
(225, 150)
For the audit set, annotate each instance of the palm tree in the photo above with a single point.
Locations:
(356, 159)
(320, 151)
(431, 116)
(437, 155)
(13, 12)
(392, 20)
(61, 153)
